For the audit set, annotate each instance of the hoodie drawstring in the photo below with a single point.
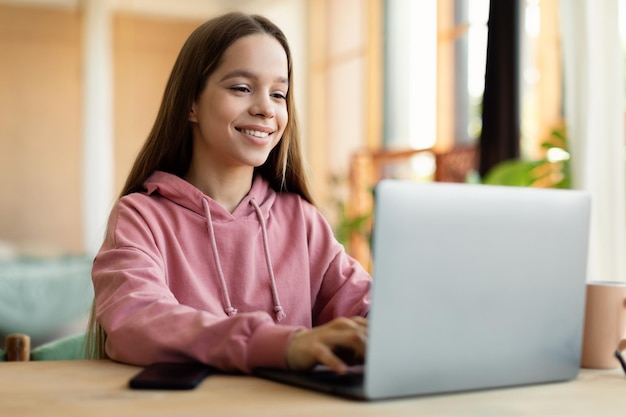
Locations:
(278, 309)
(229, 308)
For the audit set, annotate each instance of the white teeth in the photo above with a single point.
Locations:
(254, 133)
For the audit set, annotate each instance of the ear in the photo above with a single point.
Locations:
(193, 115)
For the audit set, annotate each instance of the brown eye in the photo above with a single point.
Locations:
(240, 89)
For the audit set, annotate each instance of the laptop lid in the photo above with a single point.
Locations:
(475, 287)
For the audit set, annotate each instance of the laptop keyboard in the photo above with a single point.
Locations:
(354, 376)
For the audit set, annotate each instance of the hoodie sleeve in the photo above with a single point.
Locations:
(341, 284)
(145, 323)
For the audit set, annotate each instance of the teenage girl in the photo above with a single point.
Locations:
(215, 252)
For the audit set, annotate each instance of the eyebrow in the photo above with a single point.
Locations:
(248, 74)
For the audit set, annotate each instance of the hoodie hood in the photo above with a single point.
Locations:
(187, 195)
(257, 203)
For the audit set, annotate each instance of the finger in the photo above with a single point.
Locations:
(357, 342)
(343, 323)
(360, 320)
(361, 323)
(348, 344)
(327, 357)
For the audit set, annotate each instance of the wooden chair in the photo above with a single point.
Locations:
(16, 348)
(369, 167)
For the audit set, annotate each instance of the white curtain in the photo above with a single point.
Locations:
(594, 113)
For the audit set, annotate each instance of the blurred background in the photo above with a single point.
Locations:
(512, 92)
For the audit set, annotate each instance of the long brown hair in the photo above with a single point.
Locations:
(169, 145)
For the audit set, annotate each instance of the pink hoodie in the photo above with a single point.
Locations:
(179, 278)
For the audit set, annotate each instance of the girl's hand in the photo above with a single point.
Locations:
(332, 344)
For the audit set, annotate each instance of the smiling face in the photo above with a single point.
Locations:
(242, 112)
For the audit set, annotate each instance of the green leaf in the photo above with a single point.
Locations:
(515, 173)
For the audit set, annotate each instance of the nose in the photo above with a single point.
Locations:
(262, 106)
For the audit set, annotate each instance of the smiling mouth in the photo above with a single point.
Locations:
(255, 133)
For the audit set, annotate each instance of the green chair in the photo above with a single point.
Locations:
(67, 348)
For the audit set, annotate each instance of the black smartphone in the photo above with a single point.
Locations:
(170, 376)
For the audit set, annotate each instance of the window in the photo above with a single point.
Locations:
(434, 78)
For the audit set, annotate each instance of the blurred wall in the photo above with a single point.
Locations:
(40, 125)
(41, 122)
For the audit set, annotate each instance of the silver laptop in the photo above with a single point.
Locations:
(475, 287)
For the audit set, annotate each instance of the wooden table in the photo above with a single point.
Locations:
(99, 388)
